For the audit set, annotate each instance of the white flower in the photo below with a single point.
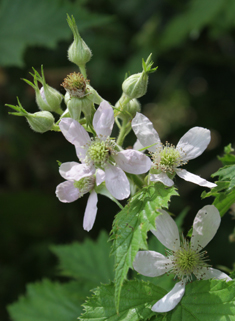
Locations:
(184, 258)
(80, 179)
(167, 159)
(102, 152)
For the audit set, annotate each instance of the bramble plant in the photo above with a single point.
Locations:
(143, 175)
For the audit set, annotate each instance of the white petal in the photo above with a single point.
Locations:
(193, 143)
(132, 161)
(100, 176)
(74, 171)
(81, 152)
(138, 145)
(189, 177)
(150, 263)
(90, 212)
(206, 273)
(171, 299)
(66, 192)
(205, 226)
(103, 120)
(74, 132)
(167, 231)
(162, 177)
(117, 182)
(146, 134)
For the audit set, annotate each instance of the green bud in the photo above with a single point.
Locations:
(47, 98)
(40, 122)
(78, 53)
(135, 86)
(126, 108)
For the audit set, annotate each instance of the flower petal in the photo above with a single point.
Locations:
(171, 299)
(117, 182)
(90, 212)
(132, 161)
(189, 177)
(100, 176)
(167, 231)
(81, 152)
(146, 134)
(150, 263)
(193, 143)
(74, 132)
(103, 120)
(162, 177)
(74, 171)
(205, 226)
(206, 273)
(66, 192)
(138, 145)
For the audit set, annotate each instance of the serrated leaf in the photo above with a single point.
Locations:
(88, 261)
(49, 301)
(206, 300)
(38, 23)
(135, 304)
(131, 225)
(228, 158)
(226, 173)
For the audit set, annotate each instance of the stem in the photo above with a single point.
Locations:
(55, 128)
(123, 132)
(83, 71)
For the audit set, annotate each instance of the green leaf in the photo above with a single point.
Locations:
(135, 304)
(49, 301)
(206, 300)
(228, 158)
(88, 261)
(39, 23)
(131, 225)
(226, 173)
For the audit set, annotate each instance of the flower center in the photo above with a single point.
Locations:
(85, 184)
(167, 158)
(99, 152)
(186, 261)
(75, 85)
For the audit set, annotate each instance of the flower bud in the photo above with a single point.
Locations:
(135, 86)
(41, 121)
(127, 108)
(47, 98)
(74, 107)
(78, 53)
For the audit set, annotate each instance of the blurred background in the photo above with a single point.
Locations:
(193, 44)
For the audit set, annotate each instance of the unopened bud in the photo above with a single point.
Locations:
(78, 53)
(47, 98)
(135, 86)
(126, 108)
(41, 121)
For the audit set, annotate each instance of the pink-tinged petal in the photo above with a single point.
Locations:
(100, 176)
(90, 212)
(132, 161)
(66, 192)
(146, 134)
(81, 152)
(103, 120)
(193, 143)
(167, 231)
(117, 182)
(74, 132)
(163, 178)
(206, 273)
(138, 146)
(205, 226)
(189, 177)
(74, 171)
(171, 299)
(150, 263)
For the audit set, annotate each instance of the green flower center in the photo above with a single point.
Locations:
(186, 261)
(85, 184)
(167, 159)
(99, 152)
